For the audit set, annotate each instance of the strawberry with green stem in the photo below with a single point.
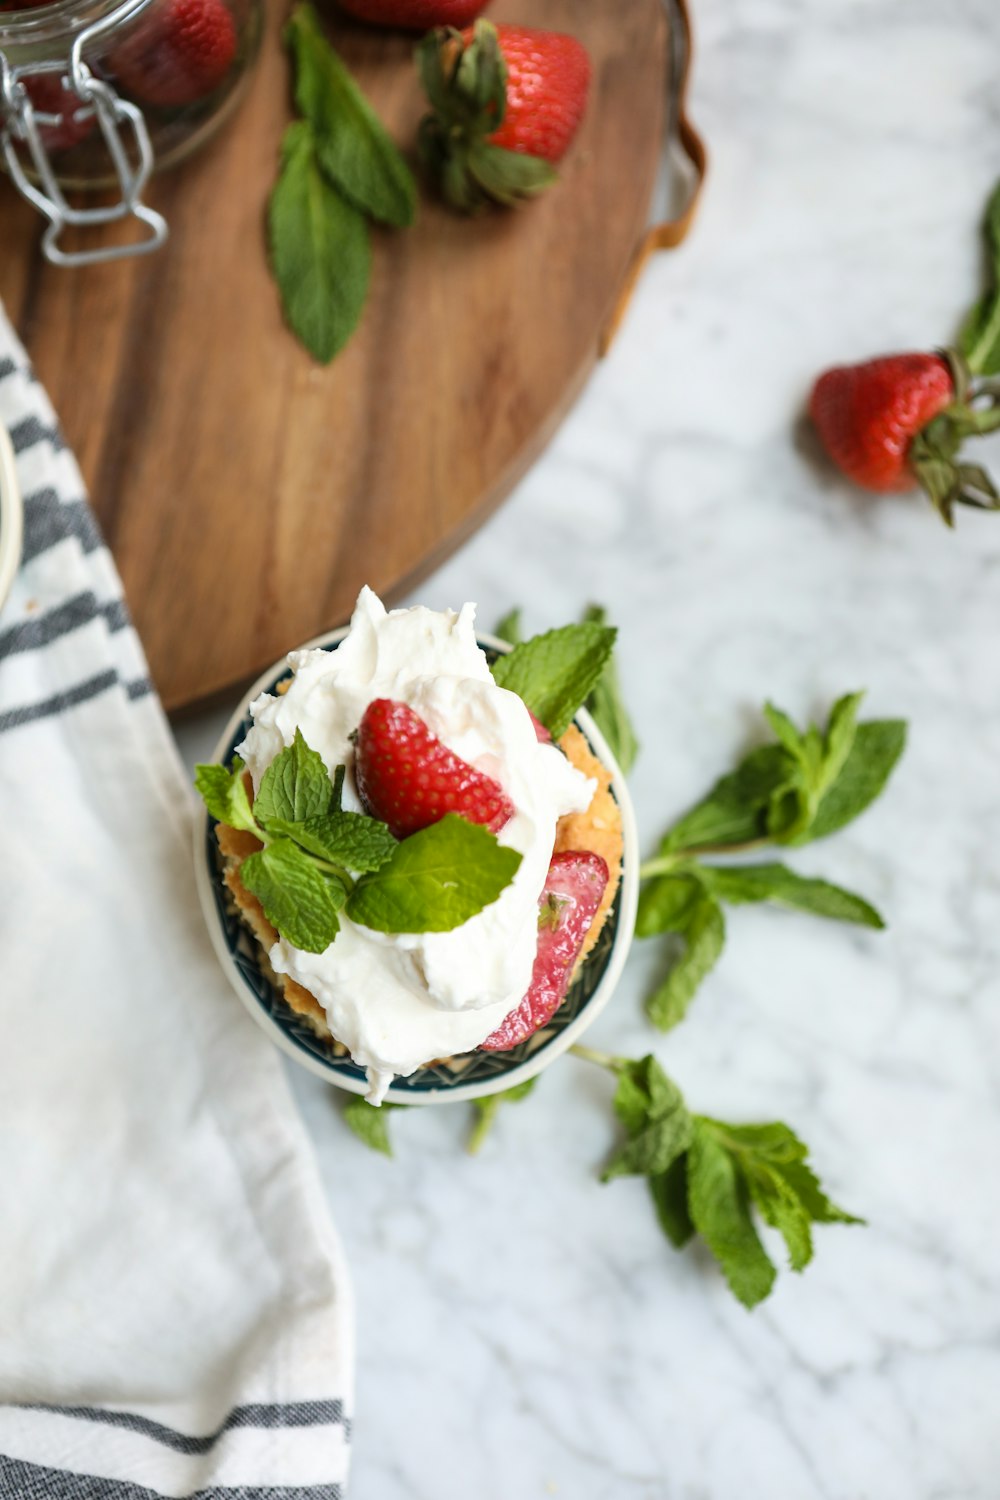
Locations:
(506, 102)
(900, 421)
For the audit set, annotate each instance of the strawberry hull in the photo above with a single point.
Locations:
(573, 890)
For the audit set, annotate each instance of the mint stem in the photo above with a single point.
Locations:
(672, 864)
(986, 338)
(602, 1059)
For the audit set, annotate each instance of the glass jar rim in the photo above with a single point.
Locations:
(61, 20)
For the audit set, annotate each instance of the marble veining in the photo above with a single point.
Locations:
(523, 1331)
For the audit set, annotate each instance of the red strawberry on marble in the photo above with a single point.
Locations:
(573, 890)
(899, 421)
(507, 101)
(409, 778)
(179, 54)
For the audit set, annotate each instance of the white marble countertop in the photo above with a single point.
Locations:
(523, 1331)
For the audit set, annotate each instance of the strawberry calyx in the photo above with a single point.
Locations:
(465, 79)
(934, 452)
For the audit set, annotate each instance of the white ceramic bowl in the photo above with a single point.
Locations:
(474, 1074)
(11, 516)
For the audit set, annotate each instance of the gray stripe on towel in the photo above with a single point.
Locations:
(253, 1414)
(14, 718)
(27, 1481)
(48, 520)
(41, 630)
(30, 430)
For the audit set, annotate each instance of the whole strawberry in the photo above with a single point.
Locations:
(567, 906)
(506, 101)
(899, 421)
(70, 121)
(415, 15)
(409, 778)
(179, 54)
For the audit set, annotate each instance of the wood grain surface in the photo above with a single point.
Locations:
(245, 491)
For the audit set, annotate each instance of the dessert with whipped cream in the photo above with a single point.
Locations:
(408, 705)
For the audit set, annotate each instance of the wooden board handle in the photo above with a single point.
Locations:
(670, 232)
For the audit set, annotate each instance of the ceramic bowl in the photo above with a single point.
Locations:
(10, 516)
(471, 1075)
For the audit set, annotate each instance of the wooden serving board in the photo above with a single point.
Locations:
(245, 491)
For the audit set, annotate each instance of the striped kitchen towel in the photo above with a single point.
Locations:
(175, 1312)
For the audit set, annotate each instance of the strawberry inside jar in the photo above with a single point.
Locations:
(169, 69)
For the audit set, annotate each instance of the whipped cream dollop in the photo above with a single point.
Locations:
(398, 1000)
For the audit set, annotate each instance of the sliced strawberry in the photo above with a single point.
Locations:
(409, 779)
(572, 892)
(179, 54)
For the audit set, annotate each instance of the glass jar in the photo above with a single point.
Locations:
(95, 93)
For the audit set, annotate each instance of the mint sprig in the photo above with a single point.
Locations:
(807, 785)
(707, 1177)
(339, 168)
(318, 860)
(554, 673)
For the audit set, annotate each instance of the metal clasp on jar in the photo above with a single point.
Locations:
(115, 117)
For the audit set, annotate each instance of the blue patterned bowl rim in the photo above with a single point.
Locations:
(473, 1075)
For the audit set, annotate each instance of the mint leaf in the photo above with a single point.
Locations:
(703, 933)
(509, 628)
(295, 786)
(354, 840)
(777, 1144)
(225, 795)
(669, 1191)
(665, 904)
(606, 706)
(771, 1161)
(553, 673)
(841, 732)
(979, 339)
(776, 882)
(736, 809)
(719, 1205)
(877, 747)
(780, 1207)
(644, 1093)
(486, 1110)
(654, 1149)
(354, 148)
(652, 1109)
(436, 879)
(296, 898)
(320, 249)
(370, 1123)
